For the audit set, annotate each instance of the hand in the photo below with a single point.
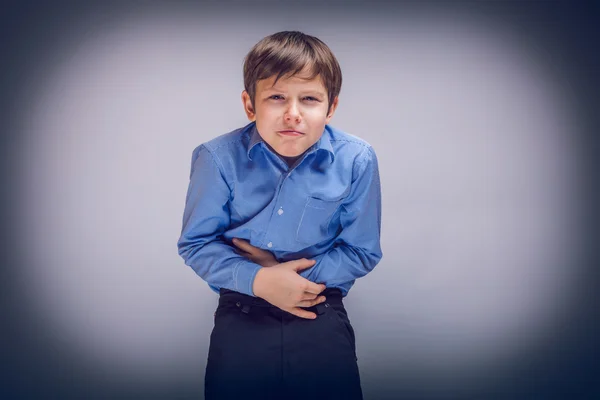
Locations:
(281, 286)
(259, 256)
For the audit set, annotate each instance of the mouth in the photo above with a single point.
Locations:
(289, 132)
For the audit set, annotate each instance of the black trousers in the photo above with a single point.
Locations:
(258, 351)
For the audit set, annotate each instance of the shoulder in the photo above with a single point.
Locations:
(348, 146)
(222, 144)
(342, 138)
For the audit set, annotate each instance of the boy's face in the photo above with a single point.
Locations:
(291, 115)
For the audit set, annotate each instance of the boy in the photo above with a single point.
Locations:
(281, 217)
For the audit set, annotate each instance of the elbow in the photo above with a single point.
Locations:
(367, 258)
(370, 258)
(187, 248)
(184, 249)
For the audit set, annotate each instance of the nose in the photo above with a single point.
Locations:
(292, 114)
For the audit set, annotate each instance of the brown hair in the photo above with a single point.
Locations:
(286, 54)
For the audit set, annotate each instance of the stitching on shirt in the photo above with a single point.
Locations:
(213, 149)
(221, 168)
(235, 273)
(248, 291)
(332, 215)
(250, 286)
(241, 131)
(233, 141)
(219, 165)
(301, 219)
(327, 223)
(363, 159)
(363, 144)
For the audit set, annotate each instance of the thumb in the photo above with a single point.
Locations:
(298, 265)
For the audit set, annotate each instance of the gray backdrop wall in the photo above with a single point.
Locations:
(476, 127)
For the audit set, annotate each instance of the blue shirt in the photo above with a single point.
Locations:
(327, 207)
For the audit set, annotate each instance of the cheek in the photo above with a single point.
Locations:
(315, 116)
(319, 111)
(267, 114)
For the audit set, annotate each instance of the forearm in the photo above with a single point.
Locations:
(356, 250)
(205, 218)
(217, 263)
(342, 264)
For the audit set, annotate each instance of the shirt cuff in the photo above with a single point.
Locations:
(243, 276)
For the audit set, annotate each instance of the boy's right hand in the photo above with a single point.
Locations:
(281, 286)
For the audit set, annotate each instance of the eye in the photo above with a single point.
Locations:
(276, 97)
(310, 98)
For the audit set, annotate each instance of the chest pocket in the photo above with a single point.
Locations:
(314, 226)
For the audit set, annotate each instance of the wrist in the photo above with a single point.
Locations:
(257, 284)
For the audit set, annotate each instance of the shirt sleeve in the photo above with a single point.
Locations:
(206, 217)
(356, 250)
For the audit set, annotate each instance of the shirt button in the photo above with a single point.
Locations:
(280, 211)
(270, 244)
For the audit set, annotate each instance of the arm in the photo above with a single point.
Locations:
(205, 218)
(356, 250)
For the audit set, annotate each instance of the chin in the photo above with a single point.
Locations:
(286, 151)
(290, 154)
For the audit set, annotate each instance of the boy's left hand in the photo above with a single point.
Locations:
(259, 256)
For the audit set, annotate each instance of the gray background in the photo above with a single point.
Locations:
(480, 123)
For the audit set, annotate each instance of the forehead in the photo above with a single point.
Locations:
(301, 80)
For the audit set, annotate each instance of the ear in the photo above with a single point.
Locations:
(332, 109)
(248, 108)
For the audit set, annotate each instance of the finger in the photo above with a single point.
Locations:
(242, 244)
(300, 264)
(315, 288)
(310, 303)
(309, 296)
(242, 253)
(249, 257)
(298, 312)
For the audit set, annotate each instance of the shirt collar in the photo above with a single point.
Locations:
(255, 138)
(324, 142)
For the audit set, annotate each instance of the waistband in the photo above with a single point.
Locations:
(245, 302)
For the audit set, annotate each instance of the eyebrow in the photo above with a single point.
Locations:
(314, 92)
(307, 92)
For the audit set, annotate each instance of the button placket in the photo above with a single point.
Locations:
(279, 212)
